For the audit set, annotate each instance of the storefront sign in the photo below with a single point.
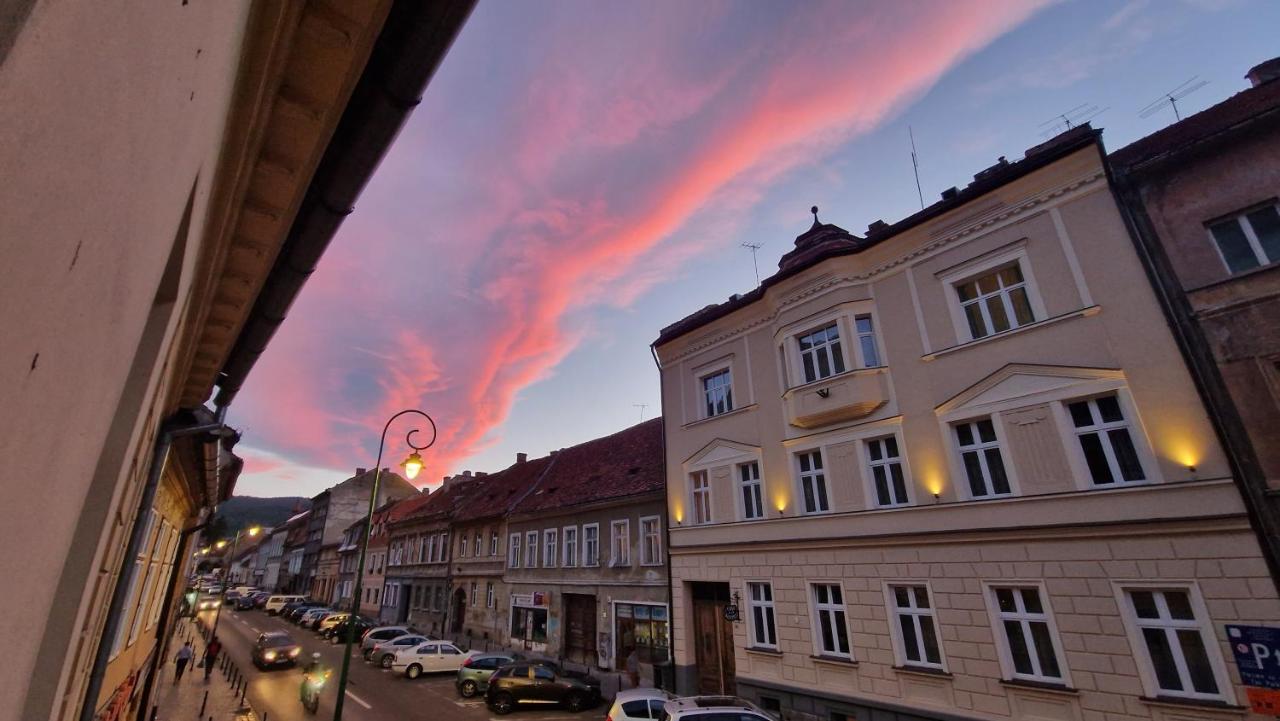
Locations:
(731, 612)
(536, 599)
(1257, 652)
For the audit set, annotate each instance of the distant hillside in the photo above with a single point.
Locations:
(244, 511)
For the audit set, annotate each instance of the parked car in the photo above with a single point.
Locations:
(638, 704)
(275, 648)
(378, 634)
(524, 682)
(331, 620)
(430, 657)
(384, 654)
(251, 600)
(207, 602)
(714, 708)
(308, 619)
(560, 671)
(473, 676)
(356, 629)
(317, 619)
(276, 604)
(290, 610)
(260, 599)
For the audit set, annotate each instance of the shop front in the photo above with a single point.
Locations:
(530, 618)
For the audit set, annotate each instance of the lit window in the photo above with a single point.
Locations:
(813, 482)
(995, 302)
(886, 471)
(650, 541)
(1176, 645)
(764, 628)
(717, 393)
(591, 545)
(831, 629)
(1105, 440)
(916, 631)
(701, 497)
(620, 543)
(820, 353)
(570, 546)
(1026, 637)
(752, 494)
(549, 547)
(980, 455)
(867, 341)
(1250, 239)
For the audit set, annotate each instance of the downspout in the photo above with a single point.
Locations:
(671, 657)
(118, 595)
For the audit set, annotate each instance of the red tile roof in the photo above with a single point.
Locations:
(627, 464)
(493, 494)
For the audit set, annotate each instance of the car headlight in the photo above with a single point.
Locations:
(269, 655)
(293, 652)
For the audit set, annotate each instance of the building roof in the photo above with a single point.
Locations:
(1242, 109)
(823, 241)
(623, 465)
(494, 494)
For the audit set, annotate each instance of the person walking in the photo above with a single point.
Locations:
(183, 658)
(211, 656)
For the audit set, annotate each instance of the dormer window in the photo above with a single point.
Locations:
(820, 353)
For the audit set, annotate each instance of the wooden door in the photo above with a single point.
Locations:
(713, 649)
(580, 628)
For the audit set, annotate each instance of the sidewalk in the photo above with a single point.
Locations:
(611, 682)
(191, 699)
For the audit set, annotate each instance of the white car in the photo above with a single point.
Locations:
(714, 707)
(638, 704)
(430, 657)
(384, 654)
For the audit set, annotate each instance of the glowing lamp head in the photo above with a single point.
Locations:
(412, 465)
(255, 530)
(220, 545)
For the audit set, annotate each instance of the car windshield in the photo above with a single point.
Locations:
(277, 641)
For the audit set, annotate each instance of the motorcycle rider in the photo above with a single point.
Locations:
(313, 672)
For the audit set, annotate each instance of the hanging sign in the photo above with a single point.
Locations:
(1257, 652)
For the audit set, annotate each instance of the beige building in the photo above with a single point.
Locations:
(173, 172)
(956, 468)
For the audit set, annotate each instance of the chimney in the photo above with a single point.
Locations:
(876, 227)
(386, 470)
(360, 471)
(1264, 72)
(466, 474)
(950, 193)
(522, 457)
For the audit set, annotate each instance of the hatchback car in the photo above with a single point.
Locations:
(473, 676)
(384, 654)
(638, 704)
(356, 629)
(311, 615)
(715, 708)
(331, 620)
(377, 635)
(535, 683)
(430, 657)
(275, 648)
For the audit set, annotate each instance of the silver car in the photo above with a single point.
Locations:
(377, 635)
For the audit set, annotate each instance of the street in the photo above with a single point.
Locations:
(372, 693)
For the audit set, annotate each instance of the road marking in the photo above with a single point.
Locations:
(255, 629)
(359, 700)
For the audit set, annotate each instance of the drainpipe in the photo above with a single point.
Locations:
(119, 595)
(671, 609)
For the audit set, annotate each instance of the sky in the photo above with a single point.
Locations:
(581, 174)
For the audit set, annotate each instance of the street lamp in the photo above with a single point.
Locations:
(226, 568)
(412, 465)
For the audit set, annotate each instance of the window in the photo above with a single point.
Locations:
(620, 543)
(591, 545)
(488, 594)
(701, 497)
(427, 550)
(1250, 239)
(867, 341)
(493, 543)
(650, 541)
(549, 547)
(479, 543)
(1105, 440)
(980, 455)
(995, 302)
(1028, 646)
(820, 353)
(531, 549)
(752, 496)
(474, 593)
(717, 393)
(570, 546)
(462, 546)
(644, 629)
(831, 633)
(764, 630)
(1175, 642)
(886, 471)
(813, 482)
(442, 548)
(513, 551)
(915, 631)
(529, 624)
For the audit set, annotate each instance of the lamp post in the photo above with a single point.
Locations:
(412, 465)
(226, 568)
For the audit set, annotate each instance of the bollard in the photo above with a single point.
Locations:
(155, 708)
(203, 702)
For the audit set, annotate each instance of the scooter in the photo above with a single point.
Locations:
(312, 685)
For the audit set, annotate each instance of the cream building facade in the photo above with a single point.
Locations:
(956, 469)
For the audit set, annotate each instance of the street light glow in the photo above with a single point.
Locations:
(255, 530)
(412, 465)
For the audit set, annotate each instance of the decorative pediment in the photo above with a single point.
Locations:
(1025, 381)
(720, 452)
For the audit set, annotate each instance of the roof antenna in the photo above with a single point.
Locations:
(915, 165)
(753, 247)
(1172, 97)
(641, 406)
(1079, 115)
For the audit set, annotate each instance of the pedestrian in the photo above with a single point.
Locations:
(211, 656)
(633, 667)
(184, 657)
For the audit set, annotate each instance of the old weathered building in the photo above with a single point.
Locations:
(956, 468)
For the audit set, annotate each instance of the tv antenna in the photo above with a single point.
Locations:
(915, 165)
(641, 406)
(753, 247)
(1172, 97)
(1079, 115)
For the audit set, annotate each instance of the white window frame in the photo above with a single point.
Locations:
(614, 560)
(915, 612)
(726, 369)
(1241, 219)
(588, 561)
(1131, 422)
(874, 336)
(815, 611)
(531, 549)
(493, 543)
(479, 543)
(463, 540)
(475, 593)
(958, 451)
(701, 514)
(869, 465)
(1004, 652)
(756, 484)
(768, 606)
(800, 476)
(550, 547)
(835, 358)
(488, 595)
(656, 536)
(569, 554)
(979, 266)
(845, 317)
(1203, 623)
(443, 547)
(513, 551)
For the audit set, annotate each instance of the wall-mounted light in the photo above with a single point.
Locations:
(937, 497)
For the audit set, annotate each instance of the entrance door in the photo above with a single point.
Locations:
(580, 628)
(459, 610)
(713, 638)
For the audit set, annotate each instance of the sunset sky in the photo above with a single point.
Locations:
(581, 174)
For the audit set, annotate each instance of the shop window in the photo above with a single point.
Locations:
(644, 630)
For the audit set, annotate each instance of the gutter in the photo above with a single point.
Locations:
(671, 655)
(413, 41)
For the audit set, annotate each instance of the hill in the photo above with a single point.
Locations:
(244, 511)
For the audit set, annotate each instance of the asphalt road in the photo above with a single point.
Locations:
(373, 694)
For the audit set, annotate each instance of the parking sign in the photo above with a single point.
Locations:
(1257, 653)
